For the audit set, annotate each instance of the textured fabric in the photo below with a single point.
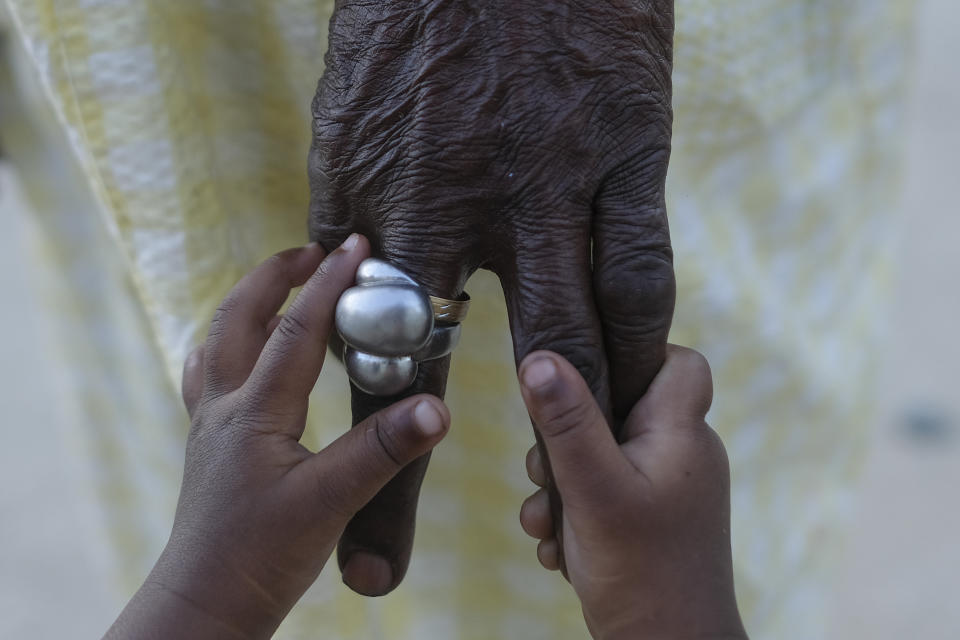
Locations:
(188, 124)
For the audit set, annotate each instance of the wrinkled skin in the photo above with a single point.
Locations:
(530, 138)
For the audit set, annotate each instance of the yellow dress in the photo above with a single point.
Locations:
(165, 143)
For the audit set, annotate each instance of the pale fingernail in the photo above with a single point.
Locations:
(427, 419)
(351, 243)
(539, 373)
(311, 245)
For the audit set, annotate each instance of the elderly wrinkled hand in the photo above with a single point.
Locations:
(527, 138)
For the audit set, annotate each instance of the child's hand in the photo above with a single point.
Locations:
(259, 514)
(646, 522)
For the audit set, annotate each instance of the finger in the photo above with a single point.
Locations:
(374, 550)
(588, 466)
(290, 362)
(238, 330)
(535, 517)
(273, 324)
(535, 469)
(633, 275)
(680, 395)
(191, 386)
(548, 553)
(356, 467)
(550, 305)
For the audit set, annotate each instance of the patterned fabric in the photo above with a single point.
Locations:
(188, 124)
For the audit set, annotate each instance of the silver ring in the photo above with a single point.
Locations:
(388, 324)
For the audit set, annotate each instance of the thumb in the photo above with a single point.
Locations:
(350, 472)
(586, 461)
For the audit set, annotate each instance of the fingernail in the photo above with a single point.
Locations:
(351, 243)
(368, 574)
(539, 373)
(428, 419)
(311, 245)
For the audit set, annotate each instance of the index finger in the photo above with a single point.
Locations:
(290, 363)
(238, 330)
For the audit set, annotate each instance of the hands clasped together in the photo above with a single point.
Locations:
(529, 138)
(645, 520)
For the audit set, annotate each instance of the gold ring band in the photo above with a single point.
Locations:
(451, 311)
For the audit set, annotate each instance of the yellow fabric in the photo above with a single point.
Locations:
(188, 124)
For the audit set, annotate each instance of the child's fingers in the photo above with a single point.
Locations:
(238, 330)
(342, 478)
(535, 470)
(548, 553)
(293, 355)
(587, 463)
(679, 396)
(273, 324)
(535, 517)
(191, 386)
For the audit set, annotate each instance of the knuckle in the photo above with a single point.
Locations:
(221, 317)
(564, 417)
(292, 327)
(642, 174)
(439, 260)
(322, 274)
(383, 439)
(542, 319)
(631, 194)
(637, 288)
(211, 417)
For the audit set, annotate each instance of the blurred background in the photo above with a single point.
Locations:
(897, 577)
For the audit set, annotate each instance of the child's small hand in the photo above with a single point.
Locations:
(259, 514)
(646, 521)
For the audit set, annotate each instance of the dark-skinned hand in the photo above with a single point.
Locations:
(646, 519)
(527, 137)
(259, 514)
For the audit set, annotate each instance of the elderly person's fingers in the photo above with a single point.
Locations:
(239, 328)
(550, 303)
(293, 356)
(633, 275)
(375, 549)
